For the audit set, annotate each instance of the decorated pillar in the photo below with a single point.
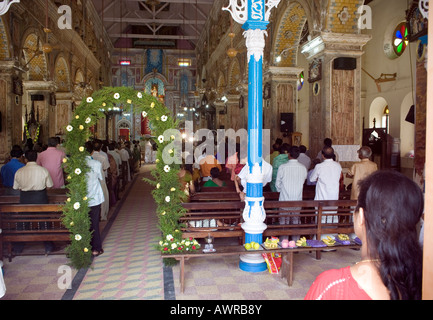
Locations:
(254, 17)
(335, 91)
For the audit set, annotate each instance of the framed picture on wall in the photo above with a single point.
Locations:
(417, 24)
(315, 71)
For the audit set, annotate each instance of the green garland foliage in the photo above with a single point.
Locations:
(168, 193)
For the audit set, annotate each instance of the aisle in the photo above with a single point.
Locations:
(130, 268)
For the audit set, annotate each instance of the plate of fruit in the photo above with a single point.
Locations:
(342, 239)
(288, 244)
(302, 242)
(251, 246)
(271, 243)
(329, 241)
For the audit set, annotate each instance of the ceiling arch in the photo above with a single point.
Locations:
(35, 58)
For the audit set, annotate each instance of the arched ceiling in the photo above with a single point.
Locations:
(154, 24)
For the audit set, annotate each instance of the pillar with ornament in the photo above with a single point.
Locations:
(254, 17)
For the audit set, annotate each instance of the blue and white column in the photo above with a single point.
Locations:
(254, 17)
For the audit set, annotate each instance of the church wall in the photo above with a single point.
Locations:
(386, 16)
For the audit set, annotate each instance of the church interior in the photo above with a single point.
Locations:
(354, 71)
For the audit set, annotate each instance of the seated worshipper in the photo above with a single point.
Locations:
(206, 164)
(232, 161)
(33, 181)
(361, 170)
(327, 142)
(389, 209)
(276, 151)
(52, 160)
(95, 195)
(186, 179)
(9, 169)
(282, 158)
(243, 175)
(290, 184)
(303, 158)
(215, 181)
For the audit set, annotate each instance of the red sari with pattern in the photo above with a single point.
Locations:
(336, 284)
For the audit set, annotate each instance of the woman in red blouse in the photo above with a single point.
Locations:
(389, 207)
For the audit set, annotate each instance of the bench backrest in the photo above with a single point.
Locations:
(315, 217)
(25, 218)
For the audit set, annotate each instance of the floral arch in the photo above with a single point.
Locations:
(168, 193)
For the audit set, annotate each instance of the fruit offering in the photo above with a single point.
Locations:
(302, 242)
(285, 243)
(292, 244)
(271, 243)
(343, 239)
(343, 236)
(329, 241)
(252, 246)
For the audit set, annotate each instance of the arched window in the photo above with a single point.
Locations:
(385, 118)
(400, 40)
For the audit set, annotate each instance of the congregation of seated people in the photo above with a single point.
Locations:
(32, 172)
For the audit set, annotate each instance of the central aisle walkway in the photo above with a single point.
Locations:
(130, 268)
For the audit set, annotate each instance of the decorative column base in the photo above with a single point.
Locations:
(253, 262)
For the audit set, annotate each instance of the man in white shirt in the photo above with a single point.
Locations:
(327, 142)
(242, 176)
(327, 174)
(95, 195)
(99, 155)
(33, 181)
(290, 183)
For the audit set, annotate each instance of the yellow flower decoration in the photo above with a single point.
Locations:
(77, 117)
(86, 250)
(65, 160)
(129, 101)
(173, 189)
(81, 149)
(81, 127)
(152, 105)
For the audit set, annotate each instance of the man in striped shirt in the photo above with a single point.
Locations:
(290, 182)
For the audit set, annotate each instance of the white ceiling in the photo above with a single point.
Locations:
(153, 23)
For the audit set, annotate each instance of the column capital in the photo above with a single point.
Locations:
(335, 44)
(282, 74)
(48, 86)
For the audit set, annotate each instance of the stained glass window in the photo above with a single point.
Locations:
(400, 41)
(300, 81)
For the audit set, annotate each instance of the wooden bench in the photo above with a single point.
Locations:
(287, 262)
(224, 196)
(316, 219)
(31, 223)
(57, 196)
(229, 213)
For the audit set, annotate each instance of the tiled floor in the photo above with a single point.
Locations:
(131, 269)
